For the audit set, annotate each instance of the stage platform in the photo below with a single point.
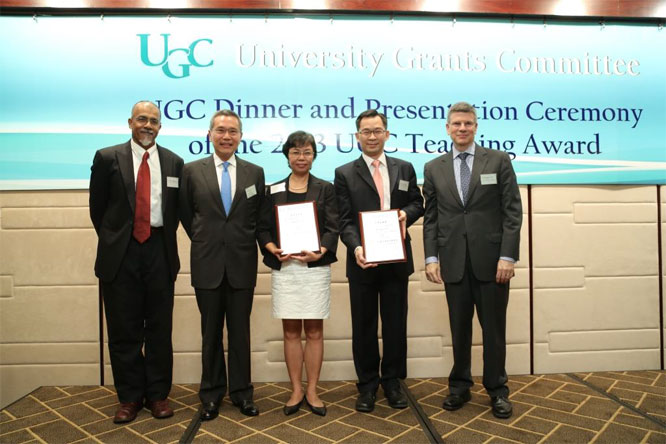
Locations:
(601, 407)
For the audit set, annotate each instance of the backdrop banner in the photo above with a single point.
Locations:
(578, 103)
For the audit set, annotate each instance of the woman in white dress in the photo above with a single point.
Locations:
(301, 283)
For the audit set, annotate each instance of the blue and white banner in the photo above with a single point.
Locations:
(570, 103)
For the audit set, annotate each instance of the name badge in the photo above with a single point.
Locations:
(489, 179)
(250, 191)
(277, 188)
(172, 182)
(403, 185)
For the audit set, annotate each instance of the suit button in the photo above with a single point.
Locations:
(465, 212)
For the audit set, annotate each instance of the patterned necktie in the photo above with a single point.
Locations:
(465, 175)
(377, 177)
(226, 187)
(141, 230)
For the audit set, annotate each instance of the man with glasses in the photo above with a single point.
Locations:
(222, 198)
(472, 227)
(376, 182)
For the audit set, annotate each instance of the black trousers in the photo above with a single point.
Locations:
(491, 300)
(235, 305)
(383, 294)
(138, 306)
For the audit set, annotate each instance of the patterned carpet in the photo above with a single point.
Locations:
(605, 407)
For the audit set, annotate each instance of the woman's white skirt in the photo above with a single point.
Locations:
(299, 292)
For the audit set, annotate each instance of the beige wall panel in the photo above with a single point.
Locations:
(595, 278)
(70, 352)
(48, 199)
(48, 257)
(17, 218)
(50, 314)
(186, 332)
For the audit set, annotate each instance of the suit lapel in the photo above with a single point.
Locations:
(363, 171)
(450, 176)
(165, 172)
(126, 166)
(480, 159)
(242, 182)
(392, 172)
(281, 197)
(314, 188)
(210, 177)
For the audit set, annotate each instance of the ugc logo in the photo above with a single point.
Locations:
(183, 54)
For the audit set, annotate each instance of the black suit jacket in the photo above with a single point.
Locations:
(222, 244)
(489, 223)
(323, 194)
(356, 192)
(112, 201)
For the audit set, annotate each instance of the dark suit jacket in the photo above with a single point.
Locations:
(489, 223)
(323, 194)
(356, 192)
(222, 244)
(112, 201)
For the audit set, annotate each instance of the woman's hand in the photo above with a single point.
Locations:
(273, 249)
(309, 256)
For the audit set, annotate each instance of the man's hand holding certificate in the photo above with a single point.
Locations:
(382, 236)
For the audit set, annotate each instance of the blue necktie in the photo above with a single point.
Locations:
(465, 175)
(226, 187)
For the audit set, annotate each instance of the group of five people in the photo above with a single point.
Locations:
(139, 191)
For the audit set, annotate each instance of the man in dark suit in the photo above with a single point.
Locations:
(377, 182)
(222, 197)
(134, 209)
(472, 226)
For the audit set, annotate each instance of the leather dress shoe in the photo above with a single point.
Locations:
(454, 402)
(127, 412)
(365, 402)
(247, 407)
(321, 411)
(502, 407)
(160, 409)
(209, 411)
(291, 409)
(396, 398)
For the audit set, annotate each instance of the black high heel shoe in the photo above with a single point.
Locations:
(291, 409)
(321, 411)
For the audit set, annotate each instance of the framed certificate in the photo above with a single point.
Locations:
(381, 236)
(297, 227)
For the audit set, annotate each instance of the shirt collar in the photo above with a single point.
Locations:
(138, 150)
(219, 162)
(470, 150)
(368, 160)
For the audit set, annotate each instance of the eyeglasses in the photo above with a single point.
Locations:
(301, 153)
(378, 132)
(144, 119)
(222, 131)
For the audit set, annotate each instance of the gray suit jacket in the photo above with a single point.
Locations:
(112, 201)
(489, 223)
(222, 244)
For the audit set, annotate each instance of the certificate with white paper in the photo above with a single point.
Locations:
(297, 227)
(382, 237)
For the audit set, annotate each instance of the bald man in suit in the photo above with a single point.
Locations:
(471, 227)
(134, 209)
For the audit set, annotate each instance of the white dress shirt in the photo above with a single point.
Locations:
(231, 168)
(156, 218)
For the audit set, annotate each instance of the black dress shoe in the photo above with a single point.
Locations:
(247, 407)
(365, 402)
(454, 402)
(209, 411)
(502, 407)
(291, 409)
(321, 411)
(396, 398)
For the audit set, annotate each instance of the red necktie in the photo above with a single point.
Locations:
(379, 183)
(142, 210)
